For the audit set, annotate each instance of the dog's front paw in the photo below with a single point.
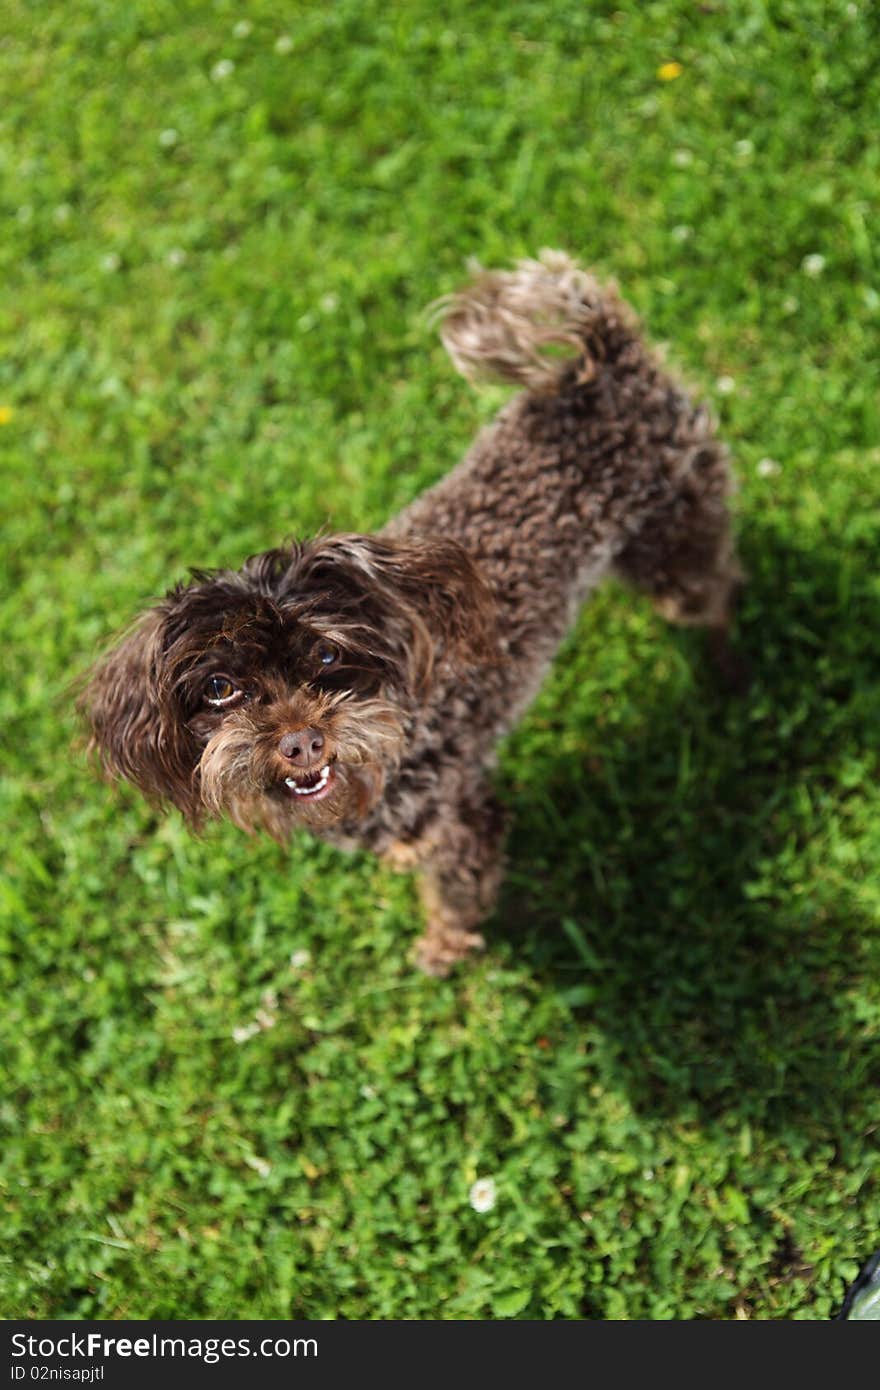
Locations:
(439, 950)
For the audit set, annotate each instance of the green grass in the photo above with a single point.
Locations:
(669, 1057)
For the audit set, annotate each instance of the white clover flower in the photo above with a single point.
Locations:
(299, 959)
(62, 213)
(243, 29)
(483, 1194)
(682, 232)
(261, 1166)
(175, 257)
(725, 385)
(245, 1032)
(813, 265)
(767, 468)
(111, 262)
(682, 158)
(220, 71)
(329, 302)
(790, 304)
(284, 44)
(168, 138)
(368, 1092)
(744, 149)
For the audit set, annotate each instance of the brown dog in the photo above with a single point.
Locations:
(356, 686)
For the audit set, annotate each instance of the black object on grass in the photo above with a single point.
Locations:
(862, 1302)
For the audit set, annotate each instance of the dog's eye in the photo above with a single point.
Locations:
(220, 690)
(327, 654)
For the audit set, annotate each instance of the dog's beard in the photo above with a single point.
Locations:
(243, 776)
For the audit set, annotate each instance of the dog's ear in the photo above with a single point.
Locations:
(135, 728)
(424, 598)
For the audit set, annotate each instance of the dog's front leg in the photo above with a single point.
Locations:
(460, 862)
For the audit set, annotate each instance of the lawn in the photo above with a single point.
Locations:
(225, 1091)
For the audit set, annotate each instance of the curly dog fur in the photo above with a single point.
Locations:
(357, 685)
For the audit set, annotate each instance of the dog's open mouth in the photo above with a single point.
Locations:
(312, 785)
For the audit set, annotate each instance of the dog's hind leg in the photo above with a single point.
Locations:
(684, 558)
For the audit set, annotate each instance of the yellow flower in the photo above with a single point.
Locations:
(5, 414)
(667, 72)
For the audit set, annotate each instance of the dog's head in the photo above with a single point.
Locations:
(282, 693)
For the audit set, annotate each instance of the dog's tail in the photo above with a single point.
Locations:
(525, 325)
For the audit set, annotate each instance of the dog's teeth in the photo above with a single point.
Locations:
(323, 778)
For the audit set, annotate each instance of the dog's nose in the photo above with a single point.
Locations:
(303, 748)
